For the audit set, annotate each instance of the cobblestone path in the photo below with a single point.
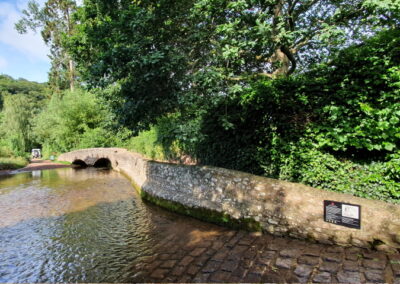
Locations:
(211, 253)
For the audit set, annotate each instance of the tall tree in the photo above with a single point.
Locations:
(275, 37)
(157, 55)
(15, 127)
(138, 49)
(54, 20)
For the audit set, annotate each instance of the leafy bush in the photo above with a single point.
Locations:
(335, 127)
(361, 109)
(5, 151)
(306, 164)
(12, 163)
(146, 144)
(157, 143)
(73, 120)
(16, 123)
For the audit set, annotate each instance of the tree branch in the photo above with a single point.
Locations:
(290, 56)
(305, 7)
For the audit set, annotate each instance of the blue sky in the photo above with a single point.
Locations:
(21, 56)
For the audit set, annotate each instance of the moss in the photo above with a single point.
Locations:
(203, 214)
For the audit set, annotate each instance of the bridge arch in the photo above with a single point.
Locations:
(79, 163)
(103, 163)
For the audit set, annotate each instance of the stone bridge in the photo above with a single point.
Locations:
(131, 164)
(93, 157)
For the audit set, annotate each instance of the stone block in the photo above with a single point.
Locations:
(349, 277)
(289, 253)
(333, 257)
(284, 262)
(351, 266)
(159, 273)
(374, 276)
(211, 266)
(374, 264)
(309, 260)
(303, 270)
(322, 277)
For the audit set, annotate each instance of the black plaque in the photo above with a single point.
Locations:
(343, 214)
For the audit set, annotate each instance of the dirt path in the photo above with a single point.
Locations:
(34, 165)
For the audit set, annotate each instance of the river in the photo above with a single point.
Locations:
(85, 225)
(90, 225)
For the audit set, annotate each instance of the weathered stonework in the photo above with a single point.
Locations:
(281, 208)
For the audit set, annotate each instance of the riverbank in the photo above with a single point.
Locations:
(35, 165)
(12, 163)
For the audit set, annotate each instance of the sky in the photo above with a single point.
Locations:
(21, 56)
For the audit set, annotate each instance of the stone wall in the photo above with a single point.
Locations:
(281, 208)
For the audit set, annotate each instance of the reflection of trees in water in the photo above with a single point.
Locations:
(94, 228)
(58, 192)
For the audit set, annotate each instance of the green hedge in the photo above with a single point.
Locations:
(335, 127)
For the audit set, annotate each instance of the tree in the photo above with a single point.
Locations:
(276, 37)
(72, 120)
(8, 85)
(16, 123)
(157, 57)
(53, 20)
(136, 51)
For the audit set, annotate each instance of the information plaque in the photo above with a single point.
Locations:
(343, 214)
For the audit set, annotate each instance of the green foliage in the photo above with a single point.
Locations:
(16, 123)
(7, 159)
(20, 101)
(146, 144)
(210, 79)
(335, 127)
(362, 111)
(53, 20)
(8, 85)
(64, 122)
(4, 150)
(141, 61)
(155, 143)
(302, 162)
(12, 163)
(72, 120)
(169, 56)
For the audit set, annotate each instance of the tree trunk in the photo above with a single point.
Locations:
(282, 57)
(71, 75)
(70, 62)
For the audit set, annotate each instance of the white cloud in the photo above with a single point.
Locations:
(29, 44)
(22, 4)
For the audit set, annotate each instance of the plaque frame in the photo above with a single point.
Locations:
(346, 221)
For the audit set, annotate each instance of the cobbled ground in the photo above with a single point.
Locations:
(200, 252)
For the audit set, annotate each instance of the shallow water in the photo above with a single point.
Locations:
(69, 225)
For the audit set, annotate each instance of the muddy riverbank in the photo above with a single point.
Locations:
(35, 165)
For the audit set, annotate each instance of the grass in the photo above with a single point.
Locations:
(12, 163)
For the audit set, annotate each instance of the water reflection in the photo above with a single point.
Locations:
(74, 226)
